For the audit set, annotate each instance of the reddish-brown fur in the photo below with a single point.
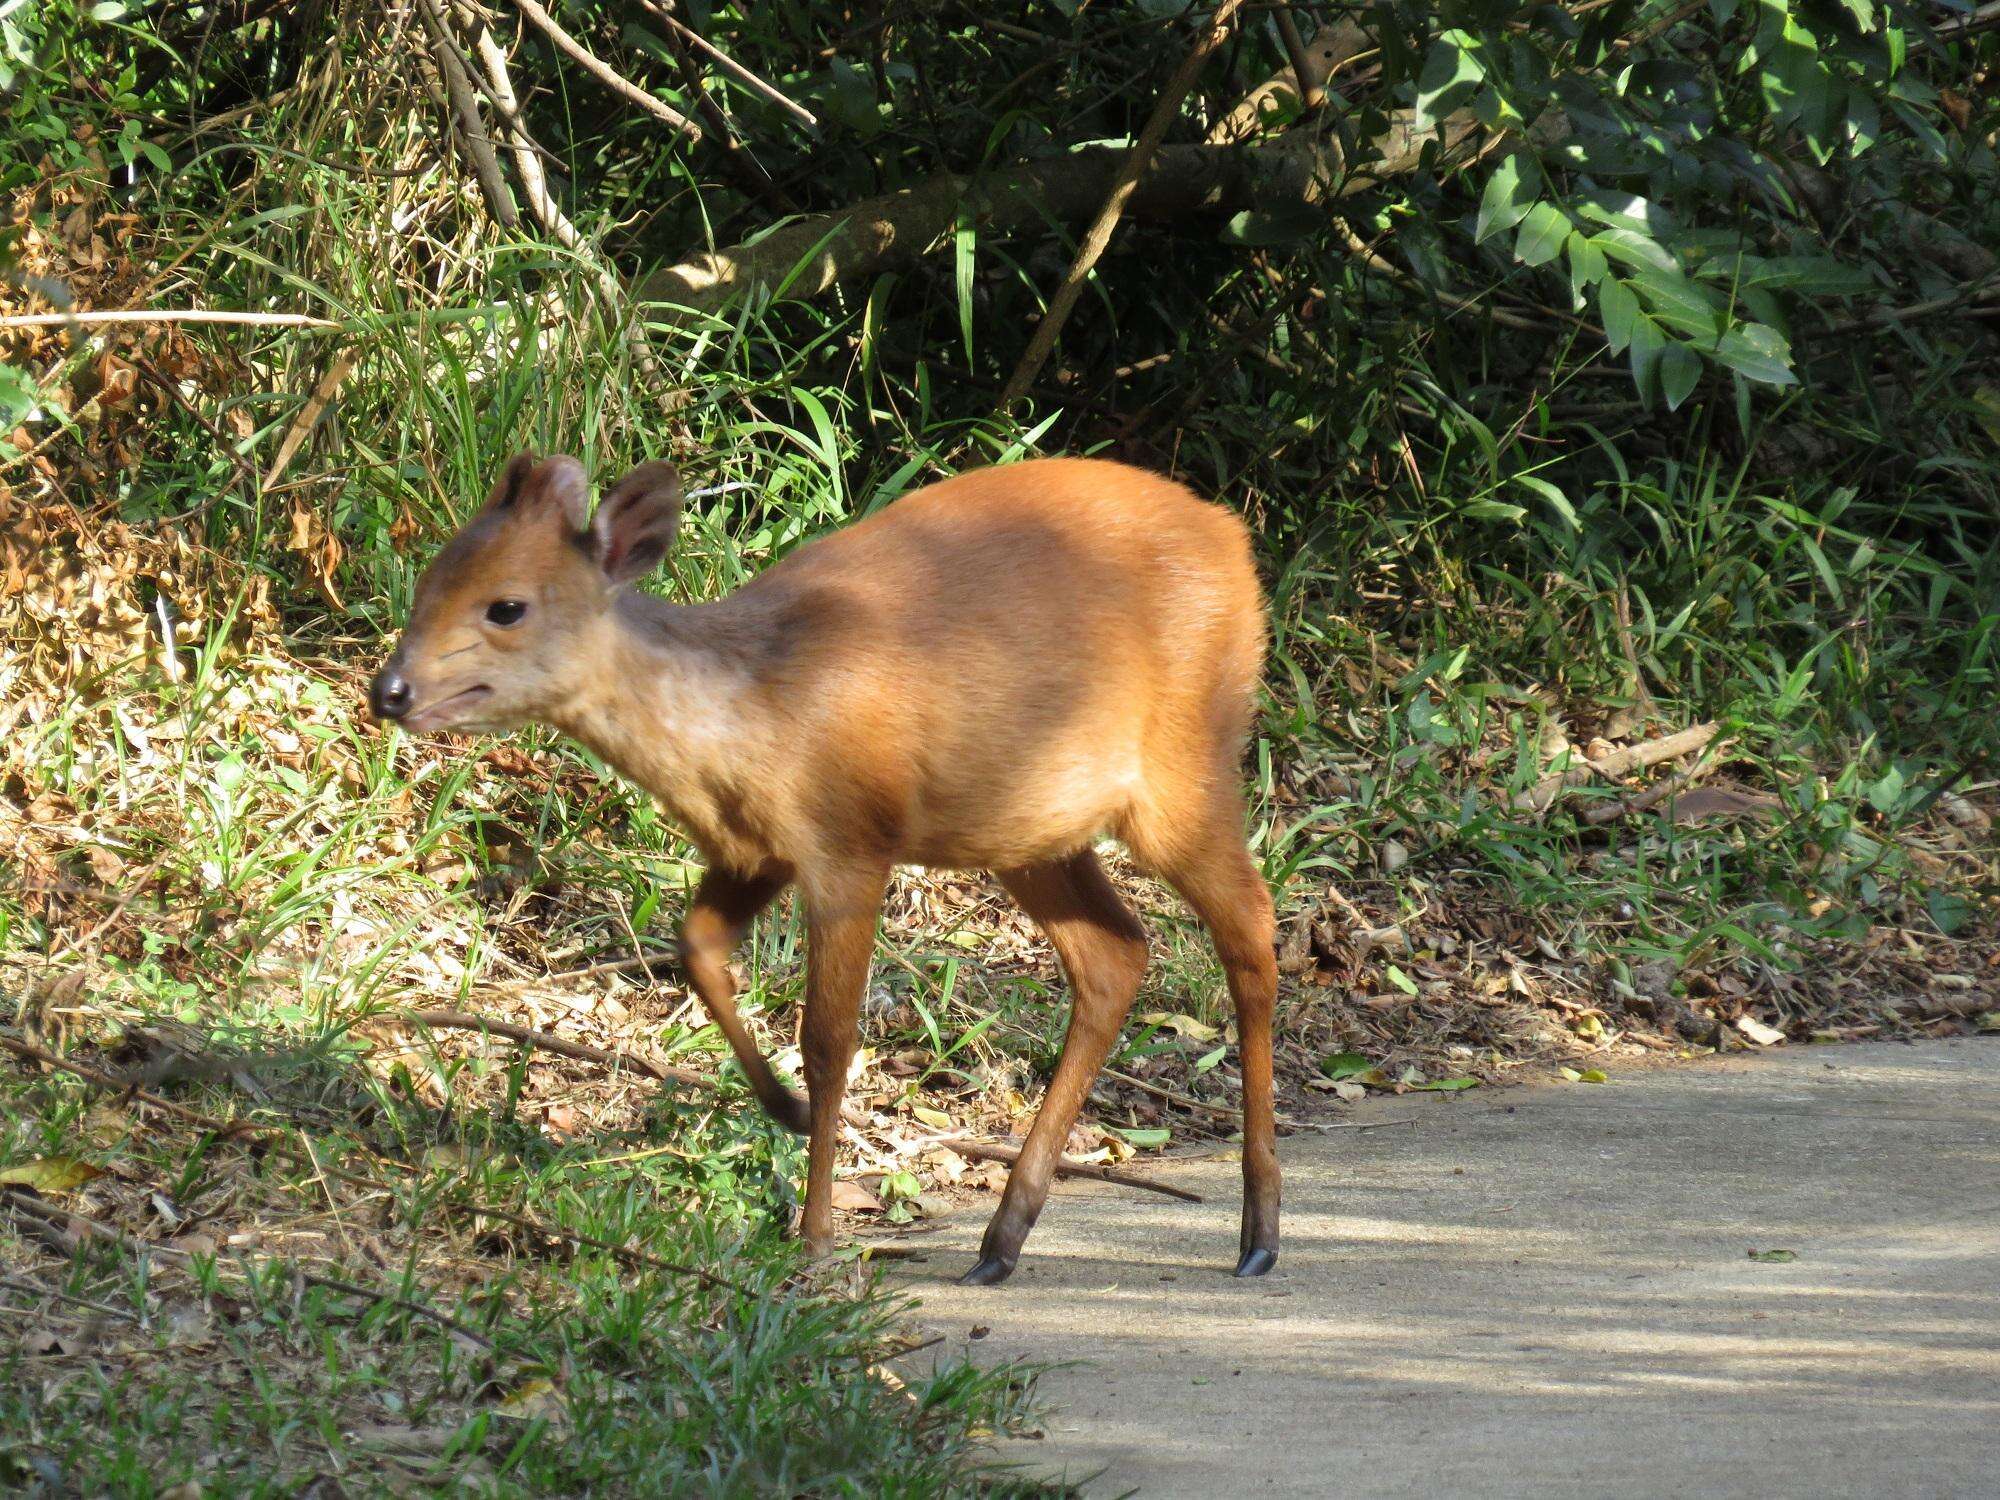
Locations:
(992, 673)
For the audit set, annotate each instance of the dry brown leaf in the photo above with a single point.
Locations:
(852, 1196)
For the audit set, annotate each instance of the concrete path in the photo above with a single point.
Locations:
(1543, 1291)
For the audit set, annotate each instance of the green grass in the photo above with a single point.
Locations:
(567, 1372)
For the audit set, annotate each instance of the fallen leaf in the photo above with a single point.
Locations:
(538, 1399)
(1586, 1075)
(1446, 1085)
(937, 1119)
(50, 1174)
(1181, 1025)
(1344, 1088)
(1344, 1065)
(1758, 1032)
(855, 1198)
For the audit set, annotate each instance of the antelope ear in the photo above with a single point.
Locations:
(636, 522)
(531, 483)
(513, 479)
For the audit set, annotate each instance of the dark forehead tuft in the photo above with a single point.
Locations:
(476, 536)
(466, 556)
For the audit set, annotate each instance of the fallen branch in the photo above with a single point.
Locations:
(127, 1088)
(1652, 796)
(527, 153)
(1098, 236)
(811, 255)
(35, 1289)
(498, 85)
(458, 1020)
(1067, 1167)
(1539, 797)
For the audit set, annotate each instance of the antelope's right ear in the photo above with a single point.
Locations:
(529, 483)
(636, 522)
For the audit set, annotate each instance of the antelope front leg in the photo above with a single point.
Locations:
(716, 920)
(840, 939)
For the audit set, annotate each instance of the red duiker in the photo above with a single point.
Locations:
(990, 674)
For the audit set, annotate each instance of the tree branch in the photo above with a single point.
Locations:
(1329, 47)
(469, 129)
(729, 64)
(1310, 80)
(604, 73)
(811, 255)
(1098, 236)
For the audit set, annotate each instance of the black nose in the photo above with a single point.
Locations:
(389, 695)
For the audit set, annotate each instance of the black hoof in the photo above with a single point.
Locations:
(1256, 1262)
(989, 1272)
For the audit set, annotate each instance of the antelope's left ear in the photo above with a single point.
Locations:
(636, 522)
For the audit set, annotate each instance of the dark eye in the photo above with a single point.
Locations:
(506, 611)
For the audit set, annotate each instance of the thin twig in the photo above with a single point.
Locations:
(1068, 1167)
(1972, 291)
(738, 158)
(1098, 236)
(35, 1289)
(458, 1020)
(1220, 1111)
(1358, 1124)
(604, 73)
(730, 65)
